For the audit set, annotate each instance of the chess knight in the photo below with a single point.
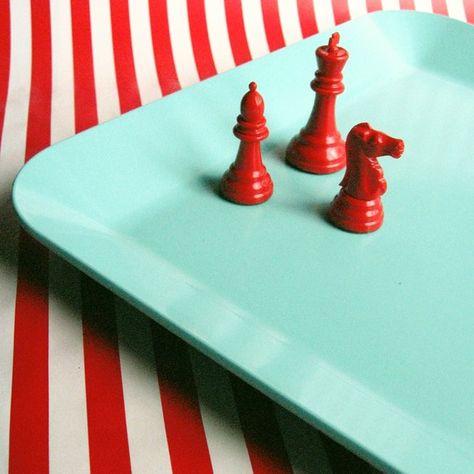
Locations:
(358, 206)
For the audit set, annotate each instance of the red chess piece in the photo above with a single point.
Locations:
(358, 206)
(247, 180)
(319, 148)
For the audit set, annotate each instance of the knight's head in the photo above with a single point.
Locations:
(364, 176)
(375, 143)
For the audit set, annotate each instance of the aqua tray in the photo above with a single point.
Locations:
(368, 337)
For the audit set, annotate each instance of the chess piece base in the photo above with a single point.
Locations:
(356, 215)
(317, 158)
(246, 188)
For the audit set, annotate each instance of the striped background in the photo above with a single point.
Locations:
(88, 384)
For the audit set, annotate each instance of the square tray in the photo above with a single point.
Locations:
(368, 337)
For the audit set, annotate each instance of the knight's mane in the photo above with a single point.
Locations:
(352, 148)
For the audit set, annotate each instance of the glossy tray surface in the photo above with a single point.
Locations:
(368, 337)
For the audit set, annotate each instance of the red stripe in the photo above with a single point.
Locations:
(38, 134)
(341, 11)
(236, 29)
(4, 59)
(160, 34)
(29, 400)
(108, 441)
(262, 433)
(407, 4)
(271, 22)
(374, 5)
(307, 18)
(127, 84)
(84, 87)
(439, 7)
(469, 10)
(187, 442)
(200, 39)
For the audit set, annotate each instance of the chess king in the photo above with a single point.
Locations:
(358, 206)
(319, 148)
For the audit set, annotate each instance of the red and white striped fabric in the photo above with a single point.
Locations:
(87, 384)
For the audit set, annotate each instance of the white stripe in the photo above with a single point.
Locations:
(62, 102)
(423, 6)
(303, 444)
(290, 21)
(390, 5)
(357, 8)
(181, 42)
(143, 55)
(12, 154)
(456, 9)
(324, 14)
(68, 435)
(103, 58)
(145, 424)
(224, 436)
(218, 35)
(254, 28)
